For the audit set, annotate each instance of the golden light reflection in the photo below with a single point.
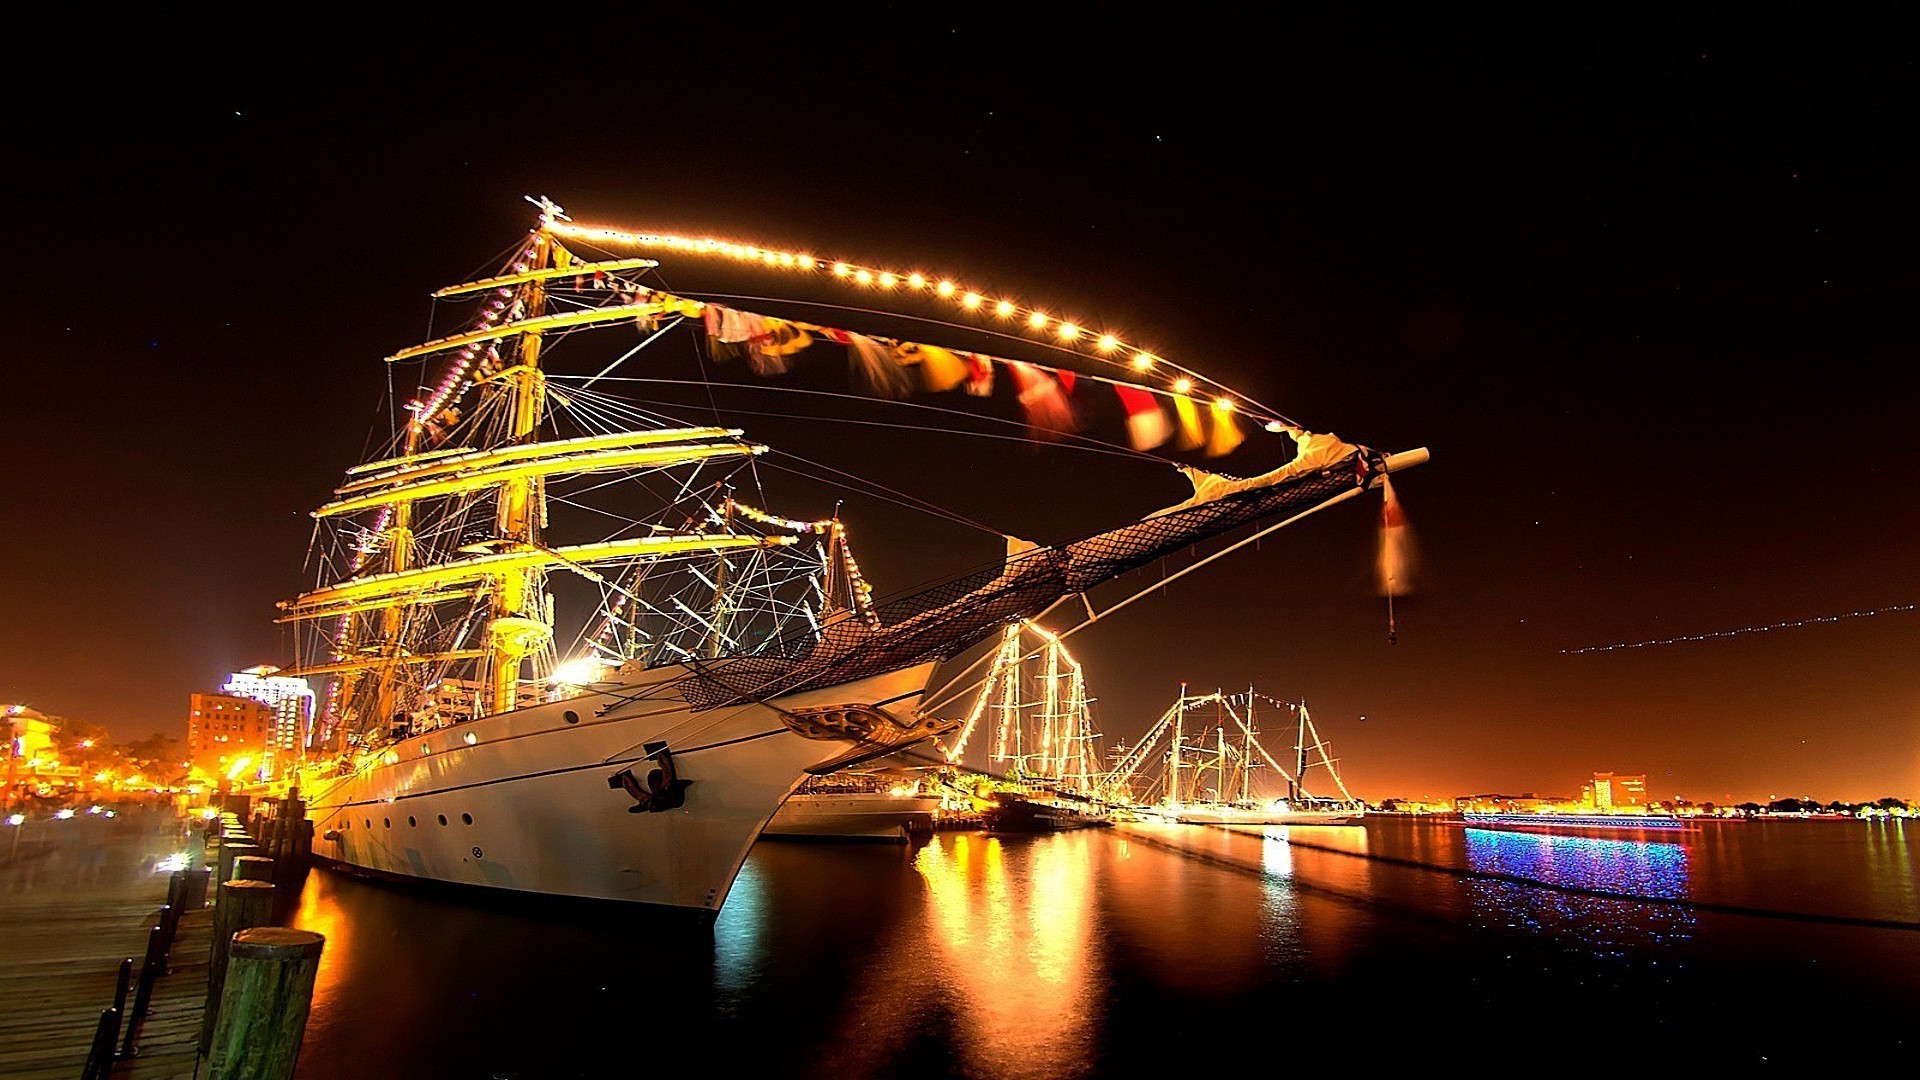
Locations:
(320, 912)
(1013, 927)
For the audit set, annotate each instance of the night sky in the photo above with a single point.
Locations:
(1641, 281)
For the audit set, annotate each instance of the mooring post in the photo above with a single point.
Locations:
(264, 1005)
(230, 853)
(252, 868)
(243, 906)
(194, 896)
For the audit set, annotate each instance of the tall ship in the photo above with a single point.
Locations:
(1215, 770)
(565, 643)
(1034, 708)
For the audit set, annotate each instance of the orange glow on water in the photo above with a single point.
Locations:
(1014, 934)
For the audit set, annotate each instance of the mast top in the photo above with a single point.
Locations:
(550, 211)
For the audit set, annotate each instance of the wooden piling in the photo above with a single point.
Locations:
(229, 853)
(253, 868)
(264, 1004)
(194, 896)
(243, 905)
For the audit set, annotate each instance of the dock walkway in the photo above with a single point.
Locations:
(77, 896)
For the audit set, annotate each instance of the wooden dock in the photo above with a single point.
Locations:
(107, 944)
(76, 898)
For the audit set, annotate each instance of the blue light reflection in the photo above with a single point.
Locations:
(1602, 926)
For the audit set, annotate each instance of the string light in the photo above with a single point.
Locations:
(946, 288)
(1792, 624)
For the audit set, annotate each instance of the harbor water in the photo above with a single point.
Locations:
(1115, 952)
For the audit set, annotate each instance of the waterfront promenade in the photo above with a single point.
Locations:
(77, 896)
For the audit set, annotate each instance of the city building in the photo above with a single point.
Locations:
(29, 733)
(1527, 803)
(290, 699)
(31, 761)
(1615, 792)
(224, 728)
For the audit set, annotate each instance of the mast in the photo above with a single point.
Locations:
(1297, 786)
(717, 617)
(514, 629)
(1173, 751)
(1220, 762)
(1246, 752)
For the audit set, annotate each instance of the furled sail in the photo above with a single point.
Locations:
(443, 574)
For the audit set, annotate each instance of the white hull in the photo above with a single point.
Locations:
(521, 801)
(874, 815)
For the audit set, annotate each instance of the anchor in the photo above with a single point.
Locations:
(665, 790)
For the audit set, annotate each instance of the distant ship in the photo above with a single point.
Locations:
(1232, 760)
(856, 806)
(1043, 736)
(1042, 810)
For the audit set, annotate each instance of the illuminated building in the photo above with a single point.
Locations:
(31, 759)
(291, 701)
(29, 733)
(1528, 803)
(1615, 791)
(222, 728)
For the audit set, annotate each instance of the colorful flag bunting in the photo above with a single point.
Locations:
(1192, 435)
(940, 369)
(1226, 434)
(1043, 399)
(1147, 425)
(979, 375)
(874, 364)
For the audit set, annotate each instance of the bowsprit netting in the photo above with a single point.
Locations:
(939, 622)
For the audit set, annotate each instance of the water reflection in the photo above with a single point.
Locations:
(1645, 868)
(1209, 912)
(1011, 930)
(1093, 952)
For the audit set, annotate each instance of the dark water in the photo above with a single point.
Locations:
(1168, 953)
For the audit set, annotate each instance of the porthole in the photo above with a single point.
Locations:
(570, 716)
(387, 821)
(411, 824)
(369, 823)
(466, 819)
(443, 819)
